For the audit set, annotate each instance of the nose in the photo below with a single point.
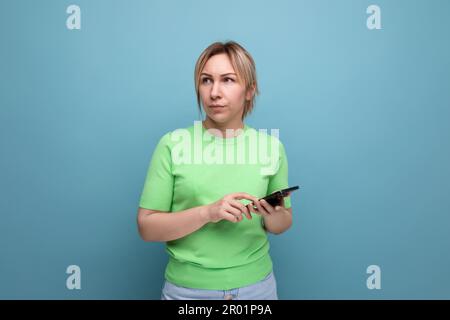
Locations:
(215, 90)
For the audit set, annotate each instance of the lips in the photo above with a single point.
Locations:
(217, 108)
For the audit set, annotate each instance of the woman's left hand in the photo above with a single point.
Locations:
(267, 209)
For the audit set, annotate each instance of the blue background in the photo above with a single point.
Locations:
(364, 115)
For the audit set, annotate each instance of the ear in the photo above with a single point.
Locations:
(250, 93)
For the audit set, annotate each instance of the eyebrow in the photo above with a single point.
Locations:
(222, 75)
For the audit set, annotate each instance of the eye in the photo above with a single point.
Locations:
(231, 79)
(204, 80)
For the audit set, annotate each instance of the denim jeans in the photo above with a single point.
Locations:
(265, 289)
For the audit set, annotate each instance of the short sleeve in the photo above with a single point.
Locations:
(279, 180)
(157, 193)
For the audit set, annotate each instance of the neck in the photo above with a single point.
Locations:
(208, 123)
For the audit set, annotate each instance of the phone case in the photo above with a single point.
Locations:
(274, 199)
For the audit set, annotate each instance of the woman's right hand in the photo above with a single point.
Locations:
(228, 208)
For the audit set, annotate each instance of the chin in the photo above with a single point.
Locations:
(219, 118)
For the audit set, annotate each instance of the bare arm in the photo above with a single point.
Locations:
(156, 225)
(166, 226)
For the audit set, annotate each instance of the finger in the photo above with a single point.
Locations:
(256, 205)
(247, 213)
(281, 203)
(243, 195)
(269, 209)
(241, 207)
(230, 209)
(261, 211)
(238, 205)
(230, 217)
(252, 208)
(235, 211)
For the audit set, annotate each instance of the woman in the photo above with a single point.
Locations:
(201, 183)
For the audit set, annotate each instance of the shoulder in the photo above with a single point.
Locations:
(172, 137)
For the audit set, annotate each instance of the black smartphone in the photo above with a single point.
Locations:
(274, 199)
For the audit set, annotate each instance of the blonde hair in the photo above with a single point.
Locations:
(242, 63)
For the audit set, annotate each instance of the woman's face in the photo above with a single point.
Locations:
(222, 94)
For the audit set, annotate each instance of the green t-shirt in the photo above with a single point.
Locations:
(192, 167)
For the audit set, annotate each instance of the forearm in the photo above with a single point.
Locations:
(167, 226)
(278, 223)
